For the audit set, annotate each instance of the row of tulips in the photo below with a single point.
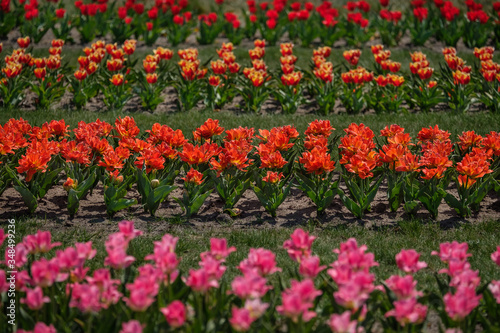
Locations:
(57, 292)
(229, 162)
(357, 22)
(112, 72)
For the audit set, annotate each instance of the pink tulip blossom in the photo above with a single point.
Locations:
(256, 307)
(175, 314)
(403, 287)
(466, 279)
(455, 267)
(407, 261)
(45, 272)
(240, 319)
(299, 245)
(219, 249)
(310, 267)
(21, 257)
(261, 261)
(495, 256)
(34, 299)
(132, 326)
(3, 236)
(128, 230)
(408, 311)
(250, 285)
(213, 267)
(85, 250)
(4, 286)
(461, 304)
(494, 288)
(199, 280)
(342, 323)
(41, 242)
(452, 251)
(116, 247)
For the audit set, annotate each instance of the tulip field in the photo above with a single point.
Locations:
(249, 166)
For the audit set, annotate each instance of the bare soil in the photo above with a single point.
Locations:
(296, 210)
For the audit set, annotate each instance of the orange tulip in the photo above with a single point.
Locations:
(219, 67)
(291, 79)
(208, 129)
(149, 66)
(117, 79)
(151, 78)
(194, 177)
(40, 72)
(39, 62)
(461, 77)
(164, 54)
(54, 62)
(273, 177)
(23, 42)
(114, 65)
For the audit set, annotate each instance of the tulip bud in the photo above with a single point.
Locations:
(155, 183)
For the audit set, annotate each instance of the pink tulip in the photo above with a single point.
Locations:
(44, 272)
(495, 256)
(68, 259)
(256, 307)
(85, 297)
(461, 304)
(116, 247)
(494, 288)
(144, 289)
(299, 245)
(340, 273)
(342, 323)
(85, 250)
(250, 285)
(79, 274)
(261, 261)
(199, 280)
(4, 286)
(213, 267)
(305, 289)
(43, 328)
(35, 299)
(294, 307)
(407, 261)
(164, 256)
(310, 267)
(133, 326)
(3, 236)
(175, 314)
(467, 278)
(403, 287)
(219, 249)
(41, 242)
(455, 267)
(240, 319)
(452, 251)
(408, 311)
(23, 279)
(127, 229)
(21, 257)
(350, 245)
(354, 293)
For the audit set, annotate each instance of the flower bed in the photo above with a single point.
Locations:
(57, 292)
(423, 173)
(112, 74)
(356, 22)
